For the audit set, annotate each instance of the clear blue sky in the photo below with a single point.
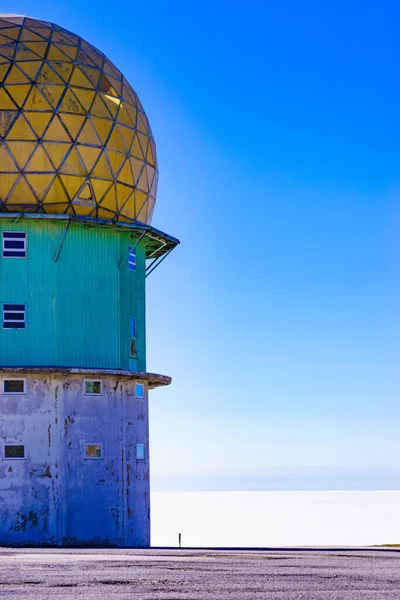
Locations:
(277, 128)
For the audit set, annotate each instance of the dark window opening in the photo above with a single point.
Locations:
(14, 386)
(14, 451)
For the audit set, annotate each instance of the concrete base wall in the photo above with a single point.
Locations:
(57, 496)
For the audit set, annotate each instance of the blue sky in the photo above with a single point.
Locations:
(278, 316)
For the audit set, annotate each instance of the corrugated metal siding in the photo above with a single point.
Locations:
(78, 308)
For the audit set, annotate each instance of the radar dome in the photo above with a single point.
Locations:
(74, 138)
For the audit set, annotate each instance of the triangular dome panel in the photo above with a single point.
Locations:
(85, 194)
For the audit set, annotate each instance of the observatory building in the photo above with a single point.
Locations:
(78, 180)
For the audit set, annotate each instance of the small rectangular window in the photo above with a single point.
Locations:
(93, 388)
(139, 390)
(132, 259)
(140, 452)
(14, 316)
(14, 451)
(132, 327)
(14, 386)
(93, 451)
(132, 333)
(14, 244)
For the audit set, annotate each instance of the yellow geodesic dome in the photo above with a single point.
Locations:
(74, 137)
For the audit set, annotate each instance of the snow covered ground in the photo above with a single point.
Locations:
(276, 518)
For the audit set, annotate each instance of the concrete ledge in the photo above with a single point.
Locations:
(153, 380)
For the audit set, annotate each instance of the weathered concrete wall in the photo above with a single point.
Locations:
(57, 496)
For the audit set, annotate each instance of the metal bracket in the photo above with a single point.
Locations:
(60, 245)
(152, 268)
(158, 249)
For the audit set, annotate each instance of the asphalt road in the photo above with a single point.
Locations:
(199, 574)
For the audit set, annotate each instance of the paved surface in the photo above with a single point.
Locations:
(199, 574)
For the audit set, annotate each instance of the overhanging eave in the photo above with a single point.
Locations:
(156, 242)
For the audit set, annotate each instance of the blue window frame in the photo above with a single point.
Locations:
(139, 390)
(140, 452)
(132, 259)
(132, 327)
(14, 316)
(14, 244)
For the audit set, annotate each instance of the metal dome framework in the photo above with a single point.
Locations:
(74, 138)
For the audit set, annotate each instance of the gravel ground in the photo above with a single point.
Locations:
(309, 574)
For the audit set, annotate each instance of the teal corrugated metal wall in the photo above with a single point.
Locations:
(78, 308)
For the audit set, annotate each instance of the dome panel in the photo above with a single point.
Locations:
(74, 137)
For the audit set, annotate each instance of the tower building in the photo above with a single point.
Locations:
(78, 181)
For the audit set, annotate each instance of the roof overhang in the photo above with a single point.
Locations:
(157, 243)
